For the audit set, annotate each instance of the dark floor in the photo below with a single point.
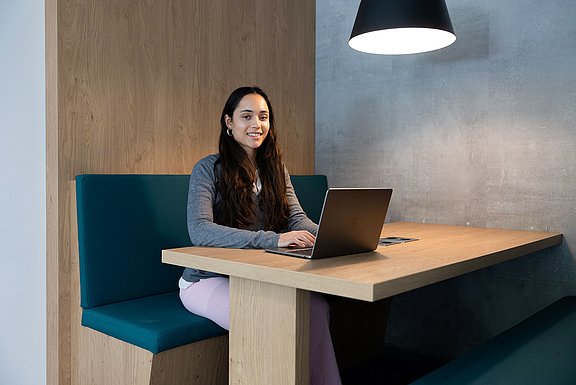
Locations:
(390, 367)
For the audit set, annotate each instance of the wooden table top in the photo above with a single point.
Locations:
(441, 252)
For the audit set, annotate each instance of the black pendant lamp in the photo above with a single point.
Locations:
(397, 27)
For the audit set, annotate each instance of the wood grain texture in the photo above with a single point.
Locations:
(277, 326)
(146, 81)
(105, 360)
(441, 252)
(138, 87)
(202, 363)
(57, 348)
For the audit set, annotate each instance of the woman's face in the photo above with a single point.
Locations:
(249, 123)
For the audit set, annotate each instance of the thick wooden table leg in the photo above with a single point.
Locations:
(269, 334)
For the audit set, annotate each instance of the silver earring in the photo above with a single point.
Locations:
(229, 131)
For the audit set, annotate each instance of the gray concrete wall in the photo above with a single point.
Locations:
(482, 133)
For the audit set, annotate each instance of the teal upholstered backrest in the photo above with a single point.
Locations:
(124, 221)
(310, 190)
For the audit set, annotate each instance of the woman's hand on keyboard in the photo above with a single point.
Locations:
(297, 238)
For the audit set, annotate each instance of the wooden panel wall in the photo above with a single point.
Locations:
(138, 87)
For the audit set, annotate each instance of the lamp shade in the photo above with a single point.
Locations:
(396, 27)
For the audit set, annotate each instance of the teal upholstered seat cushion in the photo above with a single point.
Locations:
(311, 191)
(540, 350)
(154, 323)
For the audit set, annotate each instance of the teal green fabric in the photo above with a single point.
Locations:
(540, 350)
(155, 323)
(124, 222)
(311, 191)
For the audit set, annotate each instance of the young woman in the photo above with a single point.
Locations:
(243, 198)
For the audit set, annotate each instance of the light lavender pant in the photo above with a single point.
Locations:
(210, 298)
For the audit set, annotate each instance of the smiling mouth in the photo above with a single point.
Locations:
(254, 134)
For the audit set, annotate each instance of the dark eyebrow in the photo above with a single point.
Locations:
(247, 110)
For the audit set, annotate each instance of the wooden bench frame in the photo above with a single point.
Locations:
(100, 359)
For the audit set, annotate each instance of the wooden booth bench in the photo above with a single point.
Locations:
(540, 350)
(134, 329)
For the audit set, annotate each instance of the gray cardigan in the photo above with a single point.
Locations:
(203, 205)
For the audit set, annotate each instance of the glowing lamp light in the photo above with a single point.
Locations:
(399, 27)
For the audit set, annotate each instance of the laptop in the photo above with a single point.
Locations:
(350, 223)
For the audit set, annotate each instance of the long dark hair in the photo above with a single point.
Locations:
(238, 173)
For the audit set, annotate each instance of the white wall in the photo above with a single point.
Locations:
(22, 193)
